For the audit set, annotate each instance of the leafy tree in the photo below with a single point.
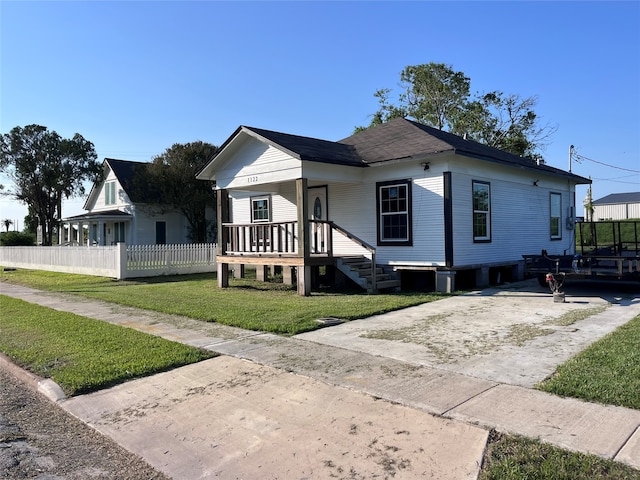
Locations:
(387, 110)
(434, 94)
(45, 168)
(30, 222)
(7, 223)
(174, 175)
(507, 122)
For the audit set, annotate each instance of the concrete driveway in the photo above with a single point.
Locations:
(514, 334)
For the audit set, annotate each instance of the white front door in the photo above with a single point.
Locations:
(317, 198)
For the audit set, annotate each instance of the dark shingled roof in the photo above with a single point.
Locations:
(312, 149)
(134, 180)
(395, 140)
(632, 197)
(401, 138)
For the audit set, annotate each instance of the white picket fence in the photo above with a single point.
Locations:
(118, 261)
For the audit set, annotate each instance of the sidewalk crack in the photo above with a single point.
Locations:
(468, 399)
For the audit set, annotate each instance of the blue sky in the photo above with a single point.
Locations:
(136, 77)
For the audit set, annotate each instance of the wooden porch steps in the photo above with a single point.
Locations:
(359, 269)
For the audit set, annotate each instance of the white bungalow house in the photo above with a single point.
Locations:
(124, 208)
(617, 206)
(416, 203)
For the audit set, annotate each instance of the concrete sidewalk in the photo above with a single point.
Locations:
(121, 412)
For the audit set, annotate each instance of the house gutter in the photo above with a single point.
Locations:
(533, 167)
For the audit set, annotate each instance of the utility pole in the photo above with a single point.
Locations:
(570, 157)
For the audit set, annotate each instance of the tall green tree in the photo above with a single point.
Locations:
(507, 122)
(173, 173)
(45, 168)
(436, 95)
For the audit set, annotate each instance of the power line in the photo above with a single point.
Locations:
(615, 181)
(581, 157)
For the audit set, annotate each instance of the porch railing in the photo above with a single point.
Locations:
(281, 239)
(278, 238)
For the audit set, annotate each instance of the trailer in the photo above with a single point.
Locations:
(608, 250)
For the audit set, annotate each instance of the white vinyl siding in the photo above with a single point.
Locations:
(256, 163)
(427, 218)
(519, 216)
(145, 226)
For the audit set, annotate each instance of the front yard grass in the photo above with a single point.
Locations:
(269, 307)
(608, 371)
(512, 457)
(81, 354)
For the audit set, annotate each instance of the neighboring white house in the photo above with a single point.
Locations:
(617, 206)
(408, 197)
(123, 207)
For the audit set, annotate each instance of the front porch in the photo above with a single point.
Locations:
(279, 244)
(96, 229)
(299, 245)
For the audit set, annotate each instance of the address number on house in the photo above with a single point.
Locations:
(253, 179)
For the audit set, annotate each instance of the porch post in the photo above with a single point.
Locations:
(287, 275)
(101, 240)
(304, 247)
(223, 217)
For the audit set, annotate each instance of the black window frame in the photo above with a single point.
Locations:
(552, 217)
(481, 238)
(394, 242)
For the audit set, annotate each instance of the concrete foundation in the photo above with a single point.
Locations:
(445, 281)
(482, 277)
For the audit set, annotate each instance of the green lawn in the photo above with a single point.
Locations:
(608, 371)
(82, 354)
(511, 457)
(270, 307)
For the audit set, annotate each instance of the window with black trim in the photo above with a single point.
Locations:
(394, 212)
(555, 215)
(261, 209)
(481, 211)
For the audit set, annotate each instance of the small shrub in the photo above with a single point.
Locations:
(17, 239)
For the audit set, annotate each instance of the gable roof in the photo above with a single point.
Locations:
(307, 148)
(632, 197)
(131, 177)
(396, 140)
(404, 139)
